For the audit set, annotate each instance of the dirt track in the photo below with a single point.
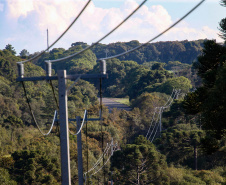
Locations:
(112, 104)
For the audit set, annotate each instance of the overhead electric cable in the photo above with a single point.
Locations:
(155, 131)
(169, 102)
(33, 117)
(54, 94)
(157, 35)
(103, 164)
(154, 125)
(69, 88)
(153, 118)
(169, 98)
(100, 158)
(76, 18)
(177, 92)
(95, 43)
(83, 121)
(158, 125)
(54, 118)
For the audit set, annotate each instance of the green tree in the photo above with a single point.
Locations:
(209, 99)
(182, 83)
(10, 48)
(181, 147)
(139, 163)
(24, 53)
(223, 24)
(34, 167)
(5, 178)
(157, 66)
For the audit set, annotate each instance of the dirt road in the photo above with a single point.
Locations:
(108, 102)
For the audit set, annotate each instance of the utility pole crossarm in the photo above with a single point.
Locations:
(71, 77)
(63, 113)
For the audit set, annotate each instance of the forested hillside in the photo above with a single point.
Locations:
(183, 51)
(174, 134)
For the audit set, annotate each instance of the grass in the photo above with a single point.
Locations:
(122, 100)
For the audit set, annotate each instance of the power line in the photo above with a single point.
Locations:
(106, 160)
(173, 95)
(95, 43)
(170, 97)
(54, 94)
(153, 118)
(99, 160)
(157, 35)
(83, 121)
(155, 124)
(76, 18)
(33, 116)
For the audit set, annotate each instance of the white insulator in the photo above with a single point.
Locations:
(20, 69)
(48, 68)
(103, 67)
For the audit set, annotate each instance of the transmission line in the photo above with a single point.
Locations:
(173, 95)
(76, 18)
(95, 43)
(33, 116)
(83, 121)
(106, 160)
(153, 118)
(160, 112)
(99, 160)
(155, 124)
(157, 36)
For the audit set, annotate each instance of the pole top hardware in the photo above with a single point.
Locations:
(48, 66)
(103, 67)
(20, 66)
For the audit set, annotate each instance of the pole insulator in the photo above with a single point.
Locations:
(20, 69)
(48, 68)
(103, 68)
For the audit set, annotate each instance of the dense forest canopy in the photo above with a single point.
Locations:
(183, 51)
(177, 94)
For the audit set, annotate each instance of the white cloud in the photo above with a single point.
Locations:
(1, 7)
(33, 17)
(19, 7)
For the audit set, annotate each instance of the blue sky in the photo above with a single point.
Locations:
(23, 23)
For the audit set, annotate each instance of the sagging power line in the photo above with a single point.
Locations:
(64, 76)
(105, 36)
(156, 122)
(157, 36)
(72, 23)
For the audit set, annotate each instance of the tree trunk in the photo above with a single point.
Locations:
(195, 156)
(138, 176)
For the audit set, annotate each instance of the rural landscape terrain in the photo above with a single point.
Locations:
(173, 133)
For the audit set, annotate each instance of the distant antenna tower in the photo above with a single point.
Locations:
(106, 52)
(47, 39)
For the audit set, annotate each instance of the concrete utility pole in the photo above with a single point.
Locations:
(63, 111)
